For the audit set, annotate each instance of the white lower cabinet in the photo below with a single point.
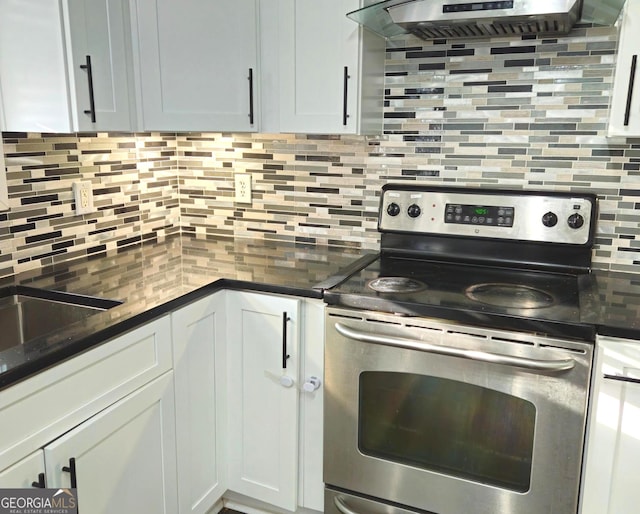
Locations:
(263, 341)
(29, 472)
(611, 473)
(123, 459)
(198, 352)
(120, 460)
(239, 414)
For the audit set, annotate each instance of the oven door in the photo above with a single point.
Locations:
(451, 419)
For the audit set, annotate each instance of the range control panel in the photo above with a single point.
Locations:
(492, 213)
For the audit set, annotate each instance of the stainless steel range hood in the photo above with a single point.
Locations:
(448, 19)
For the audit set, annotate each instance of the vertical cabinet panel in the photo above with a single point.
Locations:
(124, 457)
(33, 81)
(263, 397)
(198, 344)
(625, 98)
(101, 30)
(326, 83)
(194, 58)
(611, 472)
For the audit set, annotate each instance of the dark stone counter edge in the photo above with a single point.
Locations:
(82, 344)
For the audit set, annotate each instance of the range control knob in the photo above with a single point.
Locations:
(393, 209)
(550, 219)
(575, 220)
(414, 211)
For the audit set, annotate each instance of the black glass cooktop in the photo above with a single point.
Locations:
(494, 297)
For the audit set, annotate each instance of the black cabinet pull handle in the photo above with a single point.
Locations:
(285, 355)
(632, 78)
(345, 92)
(71, 469)
(40, 483)
(251, 96)
(619, 378)
(92, 102)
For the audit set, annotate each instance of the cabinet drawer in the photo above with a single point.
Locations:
(39, 409)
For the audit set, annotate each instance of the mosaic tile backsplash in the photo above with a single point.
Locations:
(523, 113)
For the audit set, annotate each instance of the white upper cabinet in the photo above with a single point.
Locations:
(99, 59)
(45, 83)
(331, 70)
(197, 64)
(33, 81)
(625, 102)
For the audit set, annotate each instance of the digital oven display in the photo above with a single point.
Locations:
(479, 215)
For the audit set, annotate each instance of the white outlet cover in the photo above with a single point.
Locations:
(243, 187)
(83, 197)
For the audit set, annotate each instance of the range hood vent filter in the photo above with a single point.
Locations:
(453, 19)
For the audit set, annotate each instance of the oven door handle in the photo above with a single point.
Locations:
(494, 358)
(342, 507)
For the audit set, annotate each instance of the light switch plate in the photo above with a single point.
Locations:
(243, 187)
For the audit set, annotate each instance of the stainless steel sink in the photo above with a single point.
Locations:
(29, 313)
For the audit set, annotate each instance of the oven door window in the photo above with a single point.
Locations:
(447, 426)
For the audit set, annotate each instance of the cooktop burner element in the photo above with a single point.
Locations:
(396, 285)
(510, 295)
(496, 258)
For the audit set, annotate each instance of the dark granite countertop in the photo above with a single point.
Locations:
(156, 278)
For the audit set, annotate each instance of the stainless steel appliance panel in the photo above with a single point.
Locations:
(451, 455)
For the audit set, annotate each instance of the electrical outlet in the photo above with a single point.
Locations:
(83, 196)
(243, 187)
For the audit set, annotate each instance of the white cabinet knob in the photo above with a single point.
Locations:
(311, 384)
(286, 381)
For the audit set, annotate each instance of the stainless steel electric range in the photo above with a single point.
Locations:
(457, 363)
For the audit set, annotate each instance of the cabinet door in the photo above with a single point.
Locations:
(625, 101)
(33, 81)
(98, 31)
(263, 397)
(124, 457)
(26, 473)
(195, 58)
(198, 346)
(611, 473)
(319, 49)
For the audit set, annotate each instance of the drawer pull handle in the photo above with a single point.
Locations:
(285, 355)
(251, 116)
(632, 78)
(40, 483)
(620, 378)
(71, 469)
(92, 101)
(345, 94)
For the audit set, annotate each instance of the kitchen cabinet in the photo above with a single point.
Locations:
(611, 474)
(197, 64)
(263, 363)
(120, 460)
(24, 474)
(60, 399)
(123, 459)
(199, 373)
(331, 71)
(65, 66)
(624, 118)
